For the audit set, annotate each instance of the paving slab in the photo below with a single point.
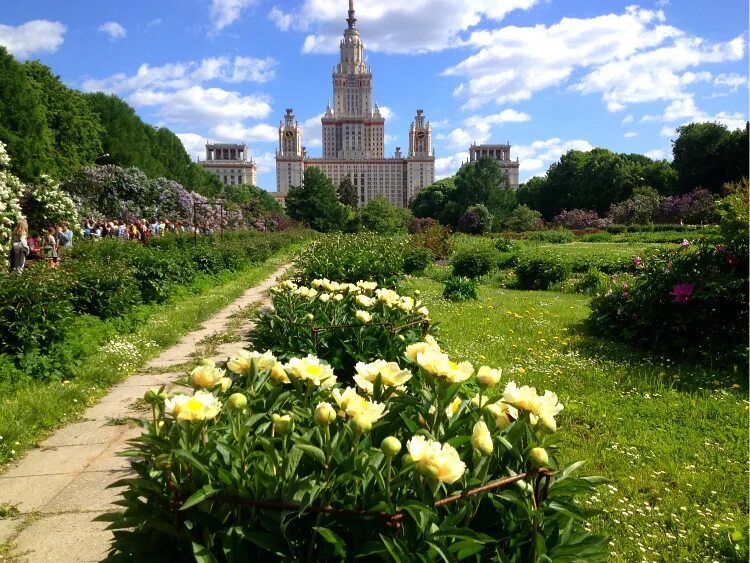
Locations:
(63, 538)
(8, 528)
(87, 492)
(31, 493)
(84, 433)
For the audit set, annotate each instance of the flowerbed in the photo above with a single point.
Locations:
(421, 459)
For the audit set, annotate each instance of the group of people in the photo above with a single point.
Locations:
(48, 245)
(138, 229)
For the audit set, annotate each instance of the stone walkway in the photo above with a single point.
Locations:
(59, 487)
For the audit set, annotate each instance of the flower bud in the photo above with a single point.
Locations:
(283, 424)
(502, 421)
(361, 424)
(207, 362)
(237, 402)
(487, 377)
(406, 459)
(481, 439)
(429, 471)
(390, 446)
(152, 396)
(539, 457)
(324, 414)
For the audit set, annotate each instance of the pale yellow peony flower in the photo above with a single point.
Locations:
(539, 457)
(391, 375)
(201, 406)
(387, 296)
(317, 284)
(206, 375)
(310, 369)
(363, 316)
(367, 286)
(429, 344)
(481, 439)
(356, 406)
(338, 297)
(278, 374)
(240, 362)
(487, 377)
(543, 408)
(324, 414)
(434, 460)
(520, 397)
(423, 311)
(439, 365)
(452, 409)
(324, 297)
(406, 304)
(364, 301)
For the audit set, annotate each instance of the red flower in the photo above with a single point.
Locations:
(732, 260)
(682, 292)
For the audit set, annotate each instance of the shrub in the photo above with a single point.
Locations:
(421, 224)
(555, 236)
(591, 282)
(507, 260)
(476, 220)
(640, 208)
(687, 302)
(460, 289)
(416, 259)
(523, 218)
(259, 466)
(35, 310)
(352, 257)
(474, 262)
(540, 271)
(733, 209)
(103, 292)
(437, 239)
(340, 323)
(579, 219)
(503, 244)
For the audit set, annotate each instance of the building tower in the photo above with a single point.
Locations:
(353, 137)
(231, 163)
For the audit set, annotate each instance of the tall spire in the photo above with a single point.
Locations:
(351, 20)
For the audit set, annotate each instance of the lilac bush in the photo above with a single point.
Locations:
(693, 208)
(575, 219)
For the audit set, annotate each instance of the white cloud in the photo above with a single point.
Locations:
(185, 74)
(202, 105)
(312, 131)
(386, 112)
(684, 110)
(630, 57)
(514, 62)
(114, 30)
(630, 134)
(226, 12)
(731, 80)
(627, 119)
(194, 144)
(449, 165)
(656, 154)
(236, 132)
(394, 26)
(536, 157)
(478, 128)
(266, 161)
(36, 36)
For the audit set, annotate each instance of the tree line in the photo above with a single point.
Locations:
(53, 130)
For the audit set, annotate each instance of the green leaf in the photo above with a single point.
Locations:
(313, 451)
(199, 496)
(202, 554)
(338, 544)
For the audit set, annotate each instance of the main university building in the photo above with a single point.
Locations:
(353, 138)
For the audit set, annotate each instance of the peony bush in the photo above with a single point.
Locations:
(342, 323)
(423, 460)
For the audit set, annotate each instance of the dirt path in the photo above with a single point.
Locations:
(59, 487)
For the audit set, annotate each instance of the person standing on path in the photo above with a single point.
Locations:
(50, 247)
(19, 247)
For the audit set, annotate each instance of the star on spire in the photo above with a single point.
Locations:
(351, 20)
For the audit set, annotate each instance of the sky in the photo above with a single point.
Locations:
(547, 76)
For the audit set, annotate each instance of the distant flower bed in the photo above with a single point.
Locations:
(415, 457)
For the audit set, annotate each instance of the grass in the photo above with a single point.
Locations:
(672, 438)
(30, 410)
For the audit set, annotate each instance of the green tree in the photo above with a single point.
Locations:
(523, 218)
(431, 200)
(347, 193)
(381, 216)
(23, 122)
(75, 127)
(315, 203)
(484, 183)
(708, 155)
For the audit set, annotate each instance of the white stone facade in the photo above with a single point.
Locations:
(353, 137)
(501, 153)
(231, 164)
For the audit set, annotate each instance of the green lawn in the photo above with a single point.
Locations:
(676, 452)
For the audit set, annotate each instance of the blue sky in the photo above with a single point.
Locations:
(546, 75)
